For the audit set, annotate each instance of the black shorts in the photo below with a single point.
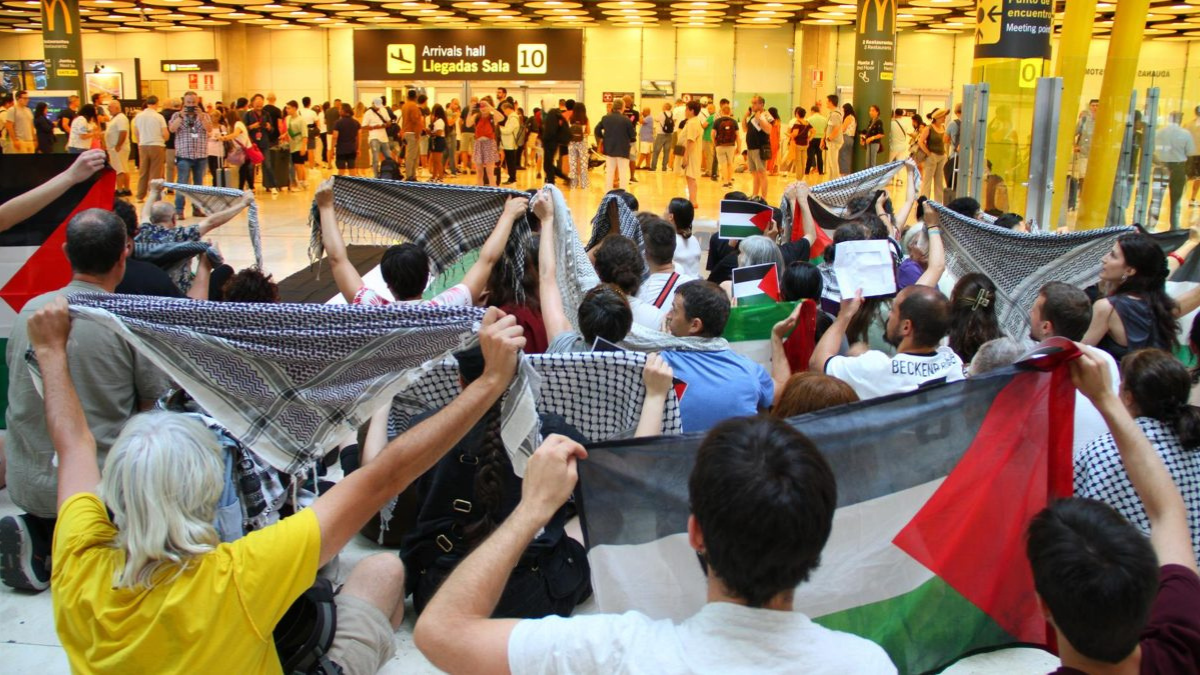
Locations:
(347, 161)
(1193, 166)
(437, 144)
(299, 158)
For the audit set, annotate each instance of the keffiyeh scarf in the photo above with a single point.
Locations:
(1020, 263)
(828, 201)
(214, 199)
(613, 208)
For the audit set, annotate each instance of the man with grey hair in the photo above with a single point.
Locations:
(152, 136)
(1173, 146)
(159, 224)
(995, 354)
(113, 383)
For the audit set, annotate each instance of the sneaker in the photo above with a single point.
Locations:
(24, 556)
(274, 191)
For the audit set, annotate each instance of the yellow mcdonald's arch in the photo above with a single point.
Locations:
(49, 14)
(882, 9)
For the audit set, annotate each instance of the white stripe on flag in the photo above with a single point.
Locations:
(859, 565)
(744, 289)
(737, 219)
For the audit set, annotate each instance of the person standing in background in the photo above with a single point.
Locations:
(297, 134)
(169, 171)
(116, 139)
(758, 124)
(849, 138)
(709, 113)
(798, 136)
(897, 138)
(577, 164)
(632, 114)
(190, 127)
(1194, 159)
(333, 112)
(19, 122)
(775, 160)
(508, 139)
(152, 136)
(872, 137)
(615, 134)
(1173, 147)
(645, 143)
(816, 142)
(833, 136)
(693, 151)
(44, 129)
(664, 130)
(310, 131)
(725, 139)
(933, 143)
(450, 118)
(259, 123)
(67, 115)
(411, 125)
(953, 136)
(1084, 129)
(375, 122)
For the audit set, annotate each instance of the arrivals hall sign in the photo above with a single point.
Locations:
(488, 54)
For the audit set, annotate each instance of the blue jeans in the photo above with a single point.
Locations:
(378, 148)
(194, 168)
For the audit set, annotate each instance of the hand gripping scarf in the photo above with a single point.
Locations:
(1020, 263)
(614, 210)
(291, 380)
(828, 200)
(214, 199)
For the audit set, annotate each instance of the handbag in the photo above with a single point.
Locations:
(253, 154)
(237, 156)
(765, 152)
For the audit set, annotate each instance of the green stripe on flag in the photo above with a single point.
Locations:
(755, 322)
(933, 610)
(737, 231)
(755, 300)
(451, 276)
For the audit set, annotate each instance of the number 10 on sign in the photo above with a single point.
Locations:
(531, 59)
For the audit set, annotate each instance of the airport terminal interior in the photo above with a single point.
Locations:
(1074, 115)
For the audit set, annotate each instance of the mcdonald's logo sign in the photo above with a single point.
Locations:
(883, 10)
(50, 9)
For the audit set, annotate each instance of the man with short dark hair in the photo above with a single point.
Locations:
(68, 114)
(919, 319)
(1061, 310)
(1119, 602)
(190, 126)
(659, 287)
(19, 121)
(833, 140)
(113, 382)
(749, 623)
(152, 135)
(615, 134)
(405, 267)
(411, 126)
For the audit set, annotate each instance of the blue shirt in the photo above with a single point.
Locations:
(720, 385)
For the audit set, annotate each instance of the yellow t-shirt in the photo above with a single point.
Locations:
(216, 617)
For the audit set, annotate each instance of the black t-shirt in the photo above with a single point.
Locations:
(68, 115)
(347, 135)
(274, 115)
(143, 278)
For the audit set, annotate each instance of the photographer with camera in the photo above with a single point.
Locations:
(190, 126)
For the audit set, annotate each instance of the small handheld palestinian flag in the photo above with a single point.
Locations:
(756, 285)
(740, 219)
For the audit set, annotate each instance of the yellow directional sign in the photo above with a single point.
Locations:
(988, 15)
(1030, 71)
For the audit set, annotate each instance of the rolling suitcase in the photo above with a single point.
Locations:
(280, 160)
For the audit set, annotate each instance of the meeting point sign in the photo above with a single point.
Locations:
(451, 54)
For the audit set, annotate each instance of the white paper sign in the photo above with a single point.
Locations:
(866, 265)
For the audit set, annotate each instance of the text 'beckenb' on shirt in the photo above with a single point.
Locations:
(875, 374)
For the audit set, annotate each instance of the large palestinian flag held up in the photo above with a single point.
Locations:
(740, 219)
(935, 490)
(31, 256)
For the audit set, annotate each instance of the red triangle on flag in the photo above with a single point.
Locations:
(797, 217)
(47, 269)
(678, 386)
(770, 284)
(762, 219)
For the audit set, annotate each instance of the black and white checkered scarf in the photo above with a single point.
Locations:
(613, 206)
(213, 199)
(828, 201)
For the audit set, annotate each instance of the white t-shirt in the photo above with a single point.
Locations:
(308, 115)
(79, 126)
(150, 125)
(687, 256)
(898, 138)
(647, 314)
(720, 638)
(439, 125)
(876, 374)
(372, 118)
(835, 120)
(1089, 423)
(113, 134)
(653, 285)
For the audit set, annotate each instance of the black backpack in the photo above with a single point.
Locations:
(304, 635)
(388, 169)
(668, 123)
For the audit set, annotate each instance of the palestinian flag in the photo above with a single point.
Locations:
(740, 219)
(927, 554)
(31, 255)
(756, 285)
(748, 331)
(822, 240)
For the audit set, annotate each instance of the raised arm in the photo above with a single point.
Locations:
(492, 251)
(346, 277)
(936, 265)
(549, 295)
(73, 442)
(807, 222)
(831, 341)
(26, 205)
(781, 370)
(219, 218)
(910, 197)
(658, 376)
(344, 509)
(200, 283)
(1188, 302)
(153, 196)
(1160, 496)
(464, 603)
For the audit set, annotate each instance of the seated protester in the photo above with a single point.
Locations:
(720, 384)
(659, 379)
(114, 382)
(1154, 389)
(809, 392)
(467, 495)
(658, 289)
(972, 315)
(603, 312)
(405, 267)
(160, 223)
(618, 262)
(756, 250)
(831, 295)
(802, 280)
(1119, 602)
(966, 206)
(1011, 221)
(679, 214)
(926, 258)
(995, 354)
(133, 589)
(250, 285)
(1137, 312)
(749, 623)
(719, 248)
(800, 250)
(143, 278)
(1061, 310)
(916, 325)
(501, 292)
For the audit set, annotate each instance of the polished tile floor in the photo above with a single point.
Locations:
(28, 642)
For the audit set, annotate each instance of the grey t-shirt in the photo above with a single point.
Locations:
(567, 342)
(111, 378)
(22, 119)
